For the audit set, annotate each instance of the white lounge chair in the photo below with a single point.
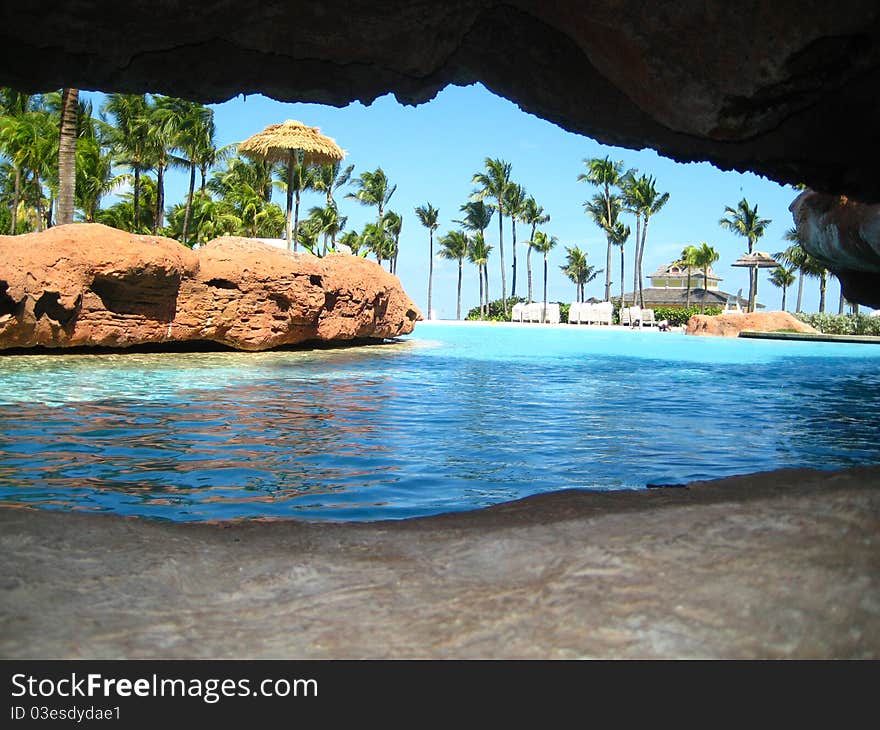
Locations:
(575, 313)
(647, 318)
(551, 314)
(518, 312)
(630, 315)
(601, 313)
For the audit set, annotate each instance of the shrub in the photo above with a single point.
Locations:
(496, 312)
(680, 316)
(842, 324)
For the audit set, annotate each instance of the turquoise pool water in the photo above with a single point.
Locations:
(450, 418)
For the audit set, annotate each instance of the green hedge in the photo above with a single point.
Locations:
(842, 324)
(496, 312)
(680, 316)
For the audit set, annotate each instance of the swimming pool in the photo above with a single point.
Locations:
(452, 417)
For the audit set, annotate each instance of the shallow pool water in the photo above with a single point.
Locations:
(450, 418)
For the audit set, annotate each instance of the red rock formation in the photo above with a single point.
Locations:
(87, 284)
(730, 325)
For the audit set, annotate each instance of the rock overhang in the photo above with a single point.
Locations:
(784, 90)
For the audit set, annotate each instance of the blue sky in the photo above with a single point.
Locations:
(432, 151)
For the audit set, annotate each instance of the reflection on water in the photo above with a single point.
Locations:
(453, 419)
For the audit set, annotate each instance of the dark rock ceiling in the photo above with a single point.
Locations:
(786, 89)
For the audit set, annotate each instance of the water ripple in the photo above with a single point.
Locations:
(454, 418)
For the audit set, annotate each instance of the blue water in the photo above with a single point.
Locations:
(450, 418)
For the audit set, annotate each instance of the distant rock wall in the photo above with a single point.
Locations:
(730, 325)
(90, 285)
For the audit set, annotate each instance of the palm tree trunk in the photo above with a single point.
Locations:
(637, 258)
(783, 297)
(513, 238)
(501, 250)
(430, 268)
(608, 240)
(16, 197)
(67, 156)
(621, 275)
(823, 283)
(204, 173)
(136, 205)
(295, 230)
(458, 300)
(641, 259)
(289, 213)
(39, 190)
(544, 313)
(486, 275)
(687, 303)
(608, 271)
(705, 289)
(841, 306)
(160, 198)
(189, 199)
(754, 300)
(529, 268)
(800, 291)
(480, 277)
(753, 285)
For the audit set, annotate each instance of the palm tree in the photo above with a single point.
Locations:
(13, 143)
(373, 189)
(604, 174)
(688, 258)
(641, 198)
(533, 215)
(129, 135)
(300, 178)
(326, 222)
(352, 239)
(604, 214)
(578, 270)
(193, 129)
(744, 221)
(703, 256)
(428, 216)
(477, 216)
(783, 278)
(67, 155)
(514, 204)
(394, 224)
(246, 187)
(94, 178)
(377, 238)
(619, 235)
(796, 258)
(478, 253)
(544, 244)
(493, 184)
(162, 138)
(328, 178)
(454, 247)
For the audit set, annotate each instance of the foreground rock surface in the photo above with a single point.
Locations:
(91, 285)
(774, 565)
(730, 325)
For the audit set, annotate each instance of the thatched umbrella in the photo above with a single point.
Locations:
(756, 260)
(293, 143)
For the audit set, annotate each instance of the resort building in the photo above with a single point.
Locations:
(669, 289)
